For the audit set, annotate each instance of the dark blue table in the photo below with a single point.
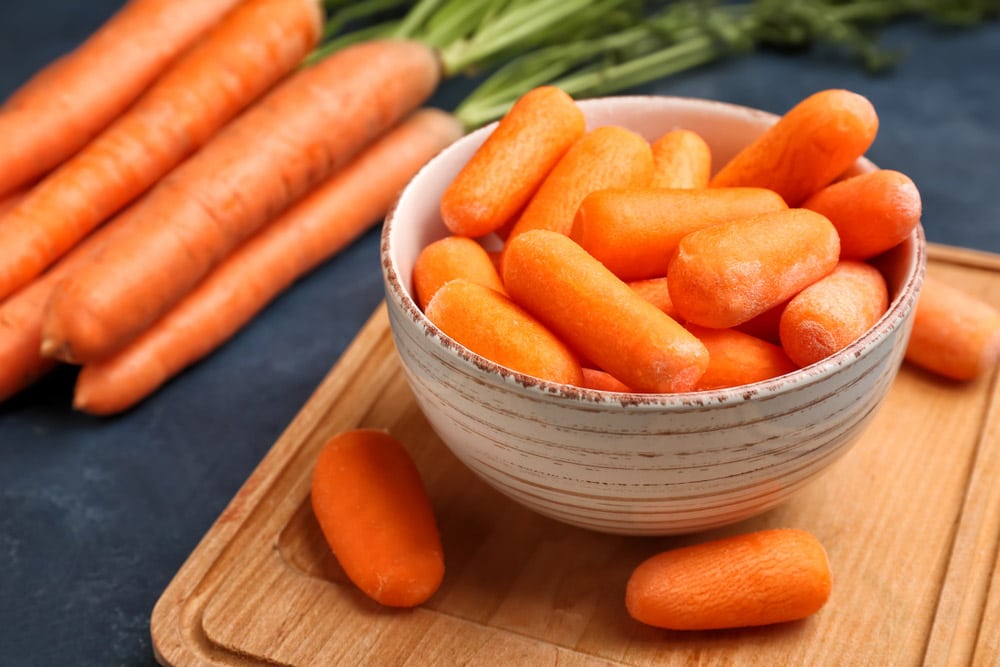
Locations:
(96, 515)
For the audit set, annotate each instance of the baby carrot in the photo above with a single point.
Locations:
(494, 327)
(65, 104)
(681, 159)
(656, 291)
(600, 316)
(606, 157)
(955, 334)
(833, 312)
(249, 50)
(594, 378)
(872, 212)
(635, 232)
(812, 144)
(728, 274)
(506, 170)
(214, 200)
(736, 358)
(374, 512)
(759, 578)
(309, 232)
(766, 325)
(450, 258)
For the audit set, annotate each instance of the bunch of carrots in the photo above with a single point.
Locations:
(634, 265)
(145, 225)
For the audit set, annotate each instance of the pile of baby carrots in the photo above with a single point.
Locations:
(630, 264)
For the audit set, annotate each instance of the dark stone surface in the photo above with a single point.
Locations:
(96, 515)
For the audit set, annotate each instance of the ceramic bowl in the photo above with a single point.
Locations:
(639, 464)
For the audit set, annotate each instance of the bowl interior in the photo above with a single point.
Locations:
(415, 222)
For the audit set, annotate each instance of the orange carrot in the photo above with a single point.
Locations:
(506, 170)
(494, 327)
(450, 258)
(240, 58)
(657, 292)
(812, 144)
(606, 157)
(22, 313)
(635, 232)
(11, 200)
(682, 159)
(955, 334)
(833, 312)
(728, 274)
(594, 378)
(60, 108)
(736, 358)
(872, 212)
(600, 316)
(766, 325)
(309, 232)
(248, 173)
(759, 578)
(375, 514)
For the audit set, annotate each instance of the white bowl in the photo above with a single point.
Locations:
(639, 464)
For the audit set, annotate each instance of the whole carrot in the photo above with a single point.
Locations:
(955, 334)
(833, 312)
(736, 358)
(64, 105)
(600, 316)
(634, 232)
(606, 157)
(310, 125)
(374, 512)
(506, 170)
(872, 212)
(312, 230)
(242, 56)
(681, 159)
(450, 258)
(494, 327)
(811, 144)
(760, 578)
(725, 275)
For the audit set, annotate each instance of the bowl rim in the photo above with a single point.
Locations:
(896, 312)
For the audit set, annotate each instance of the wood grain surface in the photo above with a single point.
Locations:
(910, 518)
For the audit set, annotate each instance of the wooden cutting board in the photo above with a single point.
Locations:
(910, 518)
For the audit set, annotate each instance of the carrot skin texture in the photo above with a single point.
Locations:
(58, 110)
(606, 157)
(813, 143)
(681, 159)
(657, 292)
(240, 58)
(311, 231)
(736, 358)
(760, 578)
(506, 170)
(450, 258)
(494, 327)
(725, 275)
(872, 212)
(594, 378)
(599, 316)
(833, 312)
(373, 510)
(204, 208)
(955, 334)
(635, 232)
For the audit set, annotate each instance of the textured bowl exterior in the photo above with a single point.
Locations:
(639, 464)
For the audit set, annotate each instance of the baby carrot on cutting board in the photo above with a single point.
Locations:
(375, 514)
(760, 578)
